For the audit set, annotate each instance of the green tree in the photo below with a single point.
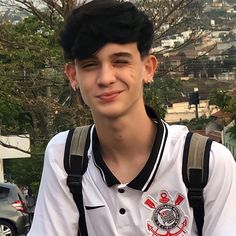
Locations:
(220, 98)
(31, 87)
(160, 92)
(197, 124)
(226, 103)
(232, 109)
(35, 92)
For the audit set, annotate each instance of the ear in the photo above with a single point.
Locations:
(70, 72)
(151, 64)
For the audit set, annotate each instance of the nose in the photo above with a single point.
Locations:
(106, 75)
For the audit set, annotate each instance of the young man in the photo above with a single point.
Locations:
(133, 184)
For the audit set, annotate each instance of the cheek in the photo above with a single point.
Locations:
(139, 72)
(83, 93)
(86, 91)
(139, 77)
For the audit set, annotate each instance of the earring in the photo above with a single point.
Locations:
(73, 87)
(149, 81)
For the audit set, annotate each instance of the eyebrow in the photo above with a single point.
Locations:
(114, 55)
(121, 54)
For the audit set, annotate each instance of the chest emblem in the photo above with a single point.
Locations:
(167, 217)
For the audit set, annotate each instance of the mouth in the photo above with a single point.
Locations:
(108, 97)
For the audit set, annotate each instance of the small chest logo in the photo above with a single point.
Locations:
(167, 217)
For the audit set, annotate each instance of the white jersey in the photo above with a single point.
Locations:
(154, 203)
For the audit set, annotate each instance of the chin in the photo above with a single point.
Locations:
(109, 113)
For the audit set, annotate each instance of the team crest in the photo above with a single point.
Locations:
(167, 217)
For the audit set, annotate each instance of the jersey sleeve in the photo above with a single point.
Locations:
(56, 213)
(220, 193)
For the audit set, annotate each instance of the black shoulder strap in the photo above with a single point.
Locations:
(195, 173)
(75, 164)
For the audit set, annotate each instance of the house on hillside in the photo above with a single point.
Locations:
(231, 75)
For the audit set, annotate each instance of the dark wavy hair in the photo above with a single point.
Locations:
(99, 22)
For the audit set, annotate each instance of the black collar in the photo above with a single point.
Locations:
(144, 179)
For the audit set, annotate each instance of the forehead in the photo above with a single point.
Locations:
(117, 50)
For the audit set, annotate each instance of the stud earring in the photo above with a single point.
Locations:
(73, 87)
(149, 81)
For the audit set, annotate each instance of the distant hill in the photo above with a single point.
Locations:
(231, 1)
(11, 14)
(228, 1)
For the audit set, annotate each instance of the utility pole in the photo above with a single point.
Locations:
(194, 99)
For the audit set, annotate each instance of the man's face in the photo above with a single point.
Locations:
(111, 81)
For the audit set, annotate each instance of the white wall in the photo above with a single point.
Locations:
(181, 111)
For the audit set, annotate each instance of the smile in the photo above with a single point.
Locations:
(109, 97)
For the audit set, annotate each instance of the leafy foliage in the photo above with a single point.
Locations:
(34, 95)
(220, 98)
(158, 94)
(25, 172)
(226, 103)
(232, 109)
(33, 91)
(197, 124)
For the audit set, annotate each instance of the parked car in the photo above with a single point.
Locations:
(14, 218)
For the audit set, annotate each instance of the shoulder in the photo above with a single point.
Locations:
(221, 157)
(218, 148)
(58, 139)
(220, 191)
(222, 170)
(176, 134)
(54, 152)
(177, 131)
(174, 143)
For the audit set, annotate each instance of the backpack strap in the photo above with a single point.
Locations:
(195, 173)
(75, 164)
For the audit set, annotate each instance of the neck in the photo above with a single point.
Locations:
(126, 142)
(126, 137)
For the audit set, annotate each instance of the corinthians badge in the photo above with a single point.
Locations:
(167, 217)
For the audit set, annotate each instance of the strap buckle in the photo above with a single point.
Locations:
(74, 182)
(195, 196)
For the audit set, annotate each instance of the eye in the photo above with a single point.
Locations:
(88, 65)
(121, 62)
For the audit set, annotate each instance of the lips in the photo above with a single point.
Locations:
(109, 97)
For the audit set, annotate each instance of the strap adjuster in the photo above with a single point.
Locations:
(74, 182)
(195, 196)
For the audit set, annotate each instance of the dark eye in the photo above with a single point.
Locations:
(121, 62)
(88, 64)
